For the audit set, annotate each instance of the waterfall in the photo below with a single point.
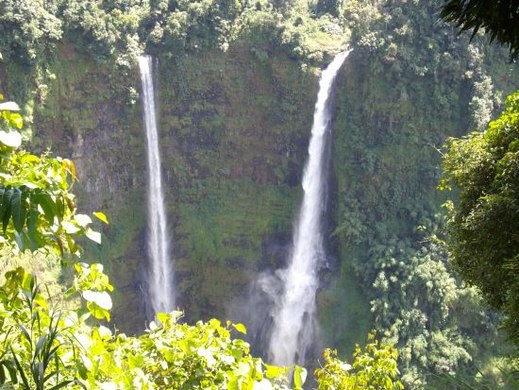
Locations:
(294, 327)
(160, 275)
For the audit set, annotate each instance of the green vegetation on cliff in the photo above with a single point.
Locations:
(47, 346)
(236, 85)
(411, 83)
(483, 224)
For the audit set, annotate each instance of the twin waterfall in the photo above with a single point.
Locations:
(160, 276)
(294, 317)
(293, 329)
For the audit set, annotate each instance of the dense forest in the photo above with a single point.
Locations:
(420, 281)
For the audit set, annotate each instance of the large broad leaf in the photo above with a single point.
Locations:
(83, 220)
(70, 228)
(163, 317)
(299, 377)
(12, 139)
(274, 371)
(48, 205)
(98, 303)
(28, 158)
(101, 299)
(6, 207)
(18, 209)
(9, 106)
(93, 235)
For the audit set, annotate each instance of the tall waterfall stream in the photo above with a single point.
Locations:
(294, 316)
(294, 324)
(160, 276)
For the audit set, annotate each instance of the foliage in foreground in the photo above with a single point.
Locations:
(484, 224)
(45, 346)
(375, 367)
(37, 207)
(499, 19)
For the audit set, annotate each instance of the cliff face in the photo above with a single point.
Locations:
(87, 115)
(234, 130)
(234, 127)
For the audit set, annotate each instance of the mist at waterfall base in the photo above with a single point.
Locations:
(280, 311)
(159, 277)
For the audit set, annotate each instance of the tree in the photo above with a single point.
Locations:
(29, 29)
(500, 19)
(333, 7)
(483, 227)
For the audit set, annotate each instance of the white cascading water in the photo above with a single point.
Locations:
(160, 277)
(293, 328)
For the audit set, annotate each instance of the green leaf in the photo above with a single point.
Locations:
(20, 369)
(275, 371)
(38, 372)
(16, 120)
(93, 235)
(69, 227)
(31, 185)
(60, 208)
(12, 139)
(98, 312)
(6, 207)
(2, 191)
(299, 377)
(9, 106)
(28, 158)
(62, 384)
(240, 328)
(48, 205)
(18, 209)
(2, 374)
(101, 216)
(101, 299)
(41, 301)
(83, 220)
(163, 317)
(40, 344)
(12, 370)
(32, 239)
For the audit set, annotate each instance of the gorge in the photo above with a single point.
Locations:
(238, 82)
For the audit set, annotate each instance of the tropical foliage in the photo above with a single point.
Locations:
(409, 83)
(483, 226)
(48, 347)
(37, 208)
(45, 344)
(499, 19)
(374, 367)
